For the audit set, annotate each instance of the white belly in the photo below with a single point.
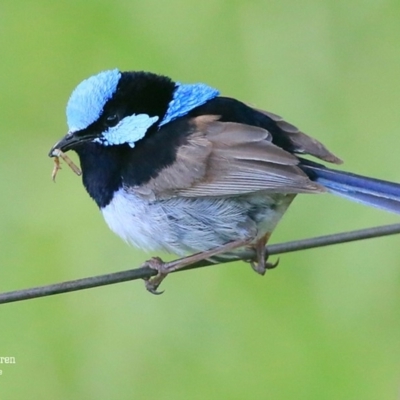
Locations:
(187, 225)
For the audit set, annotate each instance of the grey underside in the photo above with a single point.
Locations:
(188, 225)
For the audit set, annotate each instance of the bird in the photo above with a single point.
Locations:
(180, 168)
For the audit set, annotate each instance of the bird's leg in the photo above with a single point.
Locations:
(164, 268)
(261, 264)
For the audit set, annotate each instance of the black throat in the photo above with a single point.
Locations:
(101, 171)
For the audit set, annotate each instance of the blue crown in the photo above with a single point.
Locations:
(88, 99)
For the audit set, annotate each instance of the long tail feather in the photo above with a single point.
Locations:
(369, 191)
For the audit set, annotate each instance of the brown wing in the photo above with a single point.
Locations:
(225, 158)
(300, 142)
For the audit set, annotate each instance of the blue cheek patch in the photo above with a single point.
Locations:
(127, 131)
(88, 99)
(186, 97)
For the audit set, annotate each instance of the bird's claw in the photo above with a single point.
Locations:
(152, 283)
(272, 265)
(262, 268)
(152, 286)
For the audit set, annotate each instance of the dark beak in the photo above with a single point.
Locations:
(69, 141)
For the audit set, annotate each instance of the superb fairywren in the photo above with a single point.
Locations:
(177, 167)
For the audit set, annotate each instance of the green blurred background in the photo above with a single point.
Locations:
(324, 325)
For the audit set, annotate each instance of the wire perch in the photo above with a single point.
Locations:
(146, 272)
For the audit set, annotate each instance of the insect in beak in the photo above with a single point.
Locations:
(57, 154)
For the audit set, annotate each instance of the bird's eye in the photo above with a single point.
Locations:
(112, 120)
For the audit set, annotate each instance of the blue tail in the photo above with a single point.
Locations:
(369, 191)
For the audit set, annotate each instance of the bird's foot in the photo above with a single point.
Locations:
(261, 264)
(165, 268)
(154, 282)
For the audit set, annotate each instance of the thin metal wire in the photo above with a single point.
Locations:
(246, 254)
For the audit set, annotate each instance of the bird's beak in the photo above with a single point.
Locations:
(69, 141)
